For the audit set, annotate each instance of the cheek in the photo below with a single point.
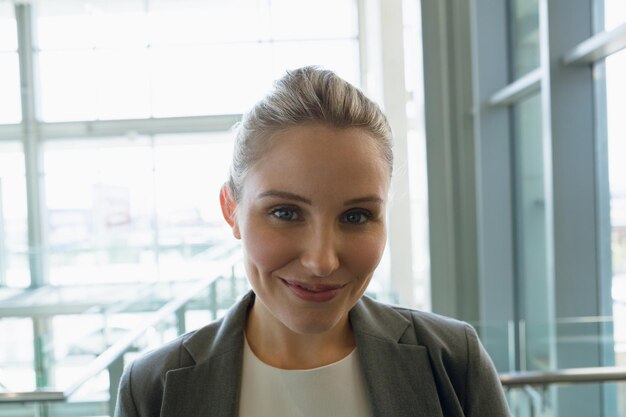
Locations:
(267, 250)
(367, 252)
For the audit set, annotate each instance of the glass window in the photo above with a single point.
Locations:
(530, 231)
(175, 22)
(58, 22)
(68, 86)
(14, 269)
(139, 209)
(10, 107)
(524, 18)
(10, 103)
(616, 102)
(213, 79)
(8, 27)
(100, 222)
(614, 13)
(321, 19)
(102, 74)
(17, 364)
(171, 58)
(189, 172)
(416, 142)
(122, 88)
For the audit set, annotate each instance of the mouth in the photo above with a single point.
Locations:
(314, 287)
(313, 292)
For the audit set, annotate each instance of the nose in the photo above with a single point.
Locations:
(320, 255)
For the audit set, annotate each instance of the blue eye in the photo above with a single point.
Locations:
(285, 213)
(356, 217)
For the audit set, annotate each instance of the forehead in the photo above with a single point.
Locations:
(307, 156)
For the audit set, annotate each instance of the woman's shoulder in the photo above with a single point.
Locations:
(453, 341)
(423, 323)
(429, 325)
(195, 346)
(154, 364)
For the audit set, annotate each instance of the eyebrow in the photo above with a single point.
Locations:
(295, 197)
(286, 195)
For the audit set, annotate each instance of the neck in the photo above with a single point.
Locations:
(278, 346)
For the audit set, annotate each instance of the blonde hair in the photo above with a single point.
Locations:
(305, 95)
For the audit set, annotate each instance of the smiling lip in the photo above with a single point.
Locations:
(318, 293)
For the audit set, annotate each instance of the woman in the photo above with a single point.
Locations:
(306, 196)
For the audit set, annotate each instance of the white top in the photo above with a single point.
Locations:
(336, 390)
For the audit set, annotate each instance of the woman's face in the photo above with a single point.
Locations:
(312, 222)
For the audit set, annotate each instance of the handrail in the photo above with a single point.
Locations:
(597, 47)
(518, 89)
(115, 351)
(564, 376)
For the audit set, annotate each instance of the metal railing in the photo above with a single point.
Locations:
(564, 376)
(534, 386)
(112, 358)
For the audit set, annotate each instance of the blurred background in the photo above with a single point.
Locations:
(508, 202)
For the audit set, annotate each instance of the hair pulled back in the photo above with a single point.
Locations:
(305, 95)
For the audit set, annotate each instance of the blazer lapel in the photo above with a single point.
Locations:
(211, 386)
(397, 369)
(189, 392)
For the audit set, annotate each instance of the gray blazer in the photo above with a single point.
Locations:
(415, 364)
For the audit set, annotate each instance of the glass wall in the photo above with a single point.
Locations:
(533, 281)
(524, 36)
(139, 208)
(10, 111)
(171, 59)
(614, 13)
(14, 270)
(17, 370)
(552, 264)
(616, 126)
(616, 102)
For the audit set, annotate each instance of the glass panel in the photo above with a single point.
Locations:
(90, 84)
(175, 22)
(417, 160)
(189, 172)
(127, 17)
(14, 269)
(100, 222)
(68, 85)
(614, 13)
(139, 210)
(10, 101)
(10, 107)
(524, 27)
(170, 58)
(58, 22)
(122, 84)
(321, 19)
(531, 401)
(208, 79)
(574, 334)
(616, 102)
(8, 27)
(17, 371)
(533, 288)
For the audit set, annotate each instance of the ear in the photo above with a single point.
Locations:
(229, 208)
